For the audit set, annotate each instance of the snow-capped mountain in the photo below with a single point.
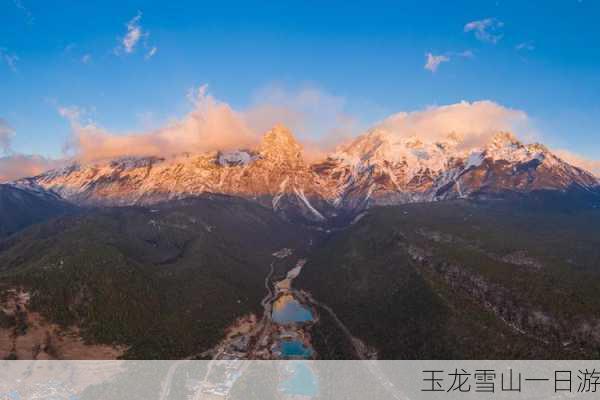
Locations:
(376, 168)
(387, 169)
(274, 174)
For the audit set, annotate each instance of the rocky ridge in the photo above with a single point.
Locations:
(377, 168)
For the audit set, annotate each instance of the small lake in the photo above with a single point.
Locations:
(301, 382)
(293, 349)
(287, 309)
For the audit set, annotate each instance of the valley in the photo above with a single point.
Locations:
(192, 267)
(389, 248)
(463, 280)
(283, 333)
(467, 279)
(283, 330)
(299, 200)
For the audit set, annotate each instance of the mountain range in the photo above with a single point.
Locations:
(403, 247)
(377, 168)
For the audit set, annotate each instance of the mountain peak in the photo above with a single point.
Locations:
(279, 133)
(379, 167)
(279, 144)
(504, 139)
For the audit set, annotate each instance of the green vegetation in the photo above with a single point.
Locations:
(459, 279)
(434, 280)
(165, 282)
(329, 339)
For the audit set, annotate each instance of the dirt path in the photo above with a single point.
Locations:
(262, 329)
(269, 297)
(165, 387)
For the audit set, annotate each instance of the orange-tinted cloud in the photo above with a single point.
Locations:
(13, 165)
(475, 123)
(210, 126)
(315, 117)
(17, 166)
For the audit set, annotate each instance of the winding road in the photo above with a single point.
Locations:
(262, 328)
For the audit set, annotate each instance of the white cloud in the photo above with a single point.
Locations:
(308, 110)
(475, 123)
(15, 166)
(433, 61)
(486, 30)
(528, 45)
(133, 35)
(211, 125)
(317, 119)
(10, 59)
(151, 53)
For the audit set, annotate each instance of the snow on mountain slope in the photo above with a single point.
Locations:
(376, 168)
(275, 174)
(387, 169)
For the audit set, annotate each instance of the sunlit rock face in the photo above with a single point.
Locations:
(375, 168)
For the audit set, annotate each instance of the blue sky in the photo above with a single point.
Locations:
(369, 58)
